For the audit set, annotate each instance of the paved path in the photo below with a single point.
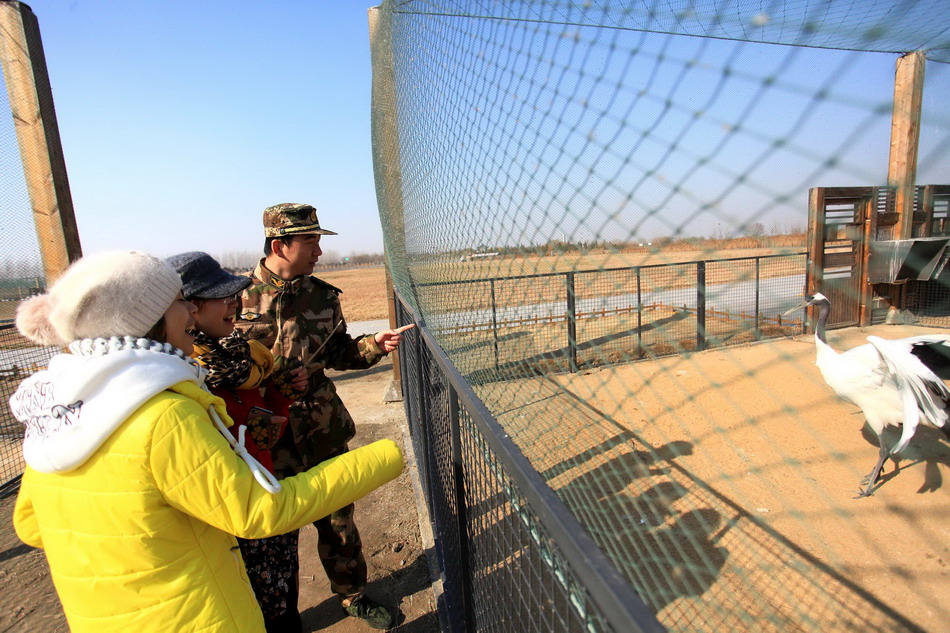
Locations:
(356, 328)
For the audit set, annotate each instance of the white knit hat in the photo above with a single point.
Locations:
(110, 294)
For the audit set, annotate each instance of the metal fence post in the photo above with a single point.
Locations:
(494, 320)
(464, 562)
(639, 316)
(571, 323)
(422, 414)
(758, 330)
(700, 306)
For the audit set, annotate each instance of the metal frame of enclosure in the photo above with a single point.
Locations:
(510, 554)
(708, 312)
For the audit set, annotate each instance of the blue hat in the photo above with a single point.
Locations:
(203, 278)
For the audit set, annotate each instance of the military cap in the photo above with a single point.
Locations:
(290, 218)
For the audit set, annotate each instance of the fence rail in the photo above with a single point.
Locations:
(619, 314)
(511, 555)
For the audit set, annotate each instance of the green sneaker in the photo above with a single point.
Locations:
(371, 612)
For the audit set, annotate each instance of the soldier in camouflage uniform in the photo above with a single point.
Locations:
(298, 317)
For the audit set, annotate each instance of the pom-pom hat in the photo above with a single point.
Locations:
(100, 296)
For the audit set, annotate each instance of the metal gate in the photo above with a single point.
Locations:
(842, 221)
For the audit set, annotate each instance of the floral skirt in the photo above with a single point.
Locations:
(272, 567)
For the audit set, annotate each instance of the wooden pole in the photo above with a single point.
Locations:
(394, 391)
(905, 137)
(814, 269)
(31, 103)
(865, 311)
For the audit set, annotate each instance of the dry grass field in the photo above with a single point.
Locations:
(364, 291)
(536, 265)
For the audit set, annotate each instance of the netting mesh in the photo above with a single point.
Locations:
(869, 25)
(595, 208)
(21, 276)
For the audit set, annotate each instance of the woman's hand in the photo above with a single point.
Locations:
(299, 378)
(388, 340)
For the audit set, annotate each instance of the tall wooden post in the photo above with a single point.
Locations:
(905, 137)
(815, 266)
(394, 391)
(31, 103)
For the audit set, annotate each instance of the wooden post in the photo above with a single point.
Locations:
(816, 239)
(905, 137)
(816, 244)
(394, 391)
(31, 103)
(870, 233)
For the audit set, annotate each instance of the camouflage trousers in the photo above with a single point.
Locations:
(341, 552)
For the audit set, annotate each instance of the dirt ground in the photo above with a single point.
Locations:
(389, 525)
(733, 473)
(364, 291)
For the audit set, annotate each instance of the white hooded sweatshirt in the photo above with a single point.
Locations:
(71, 408)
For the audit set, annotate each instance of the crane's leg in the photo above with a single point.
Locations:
(875, 472)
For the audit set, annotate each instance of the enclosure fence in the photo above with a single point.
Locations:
(513, 556)
(38, 236)
(596, 212)
(587, 318)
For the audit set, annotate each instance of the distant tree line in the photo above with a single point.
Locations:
(755, 235)
(247, 260)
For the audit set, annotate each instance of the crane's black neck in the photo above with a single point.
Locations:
(824, 308)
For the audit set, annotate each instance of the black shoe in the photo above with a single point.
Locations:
(373, 613)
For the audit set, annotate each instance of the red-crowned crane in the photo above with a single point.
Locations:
(892, 381)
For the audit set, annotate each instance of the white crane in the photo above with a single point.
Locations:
(892, 381)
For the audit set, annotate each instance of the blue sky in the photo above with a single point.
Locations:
(181, 121)
(545, 131)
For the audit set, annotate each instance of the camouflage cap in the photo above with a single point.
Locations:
(289, 218)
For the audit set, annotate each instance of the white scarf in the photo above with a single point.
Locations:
(71, 408)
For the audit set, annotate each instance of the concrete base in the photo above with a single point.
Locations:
(393, 392)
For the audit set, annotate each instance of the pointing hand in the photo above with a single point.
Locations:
(389, 340)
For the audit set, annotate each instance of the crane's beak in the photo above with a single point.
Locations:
(796, 308)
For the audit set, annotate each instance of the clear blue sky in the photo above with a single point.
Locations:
(181, 121)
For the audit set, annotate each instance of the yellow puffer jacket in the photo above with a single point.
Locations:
(139, 536)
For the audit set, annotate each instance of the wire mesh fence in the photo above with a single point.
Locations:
(510, 557)
(21, 276)
(589, 318)
(18, 359)
(21, 269)
(599, 212)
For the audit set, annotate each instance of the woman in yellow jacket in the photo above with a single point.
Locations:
(131, 488)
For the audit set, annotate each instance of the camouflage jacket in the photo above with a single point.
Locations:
(302, 323)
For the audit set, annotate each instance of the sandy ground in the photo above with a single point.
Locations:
(388, 521)
(723, 485)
